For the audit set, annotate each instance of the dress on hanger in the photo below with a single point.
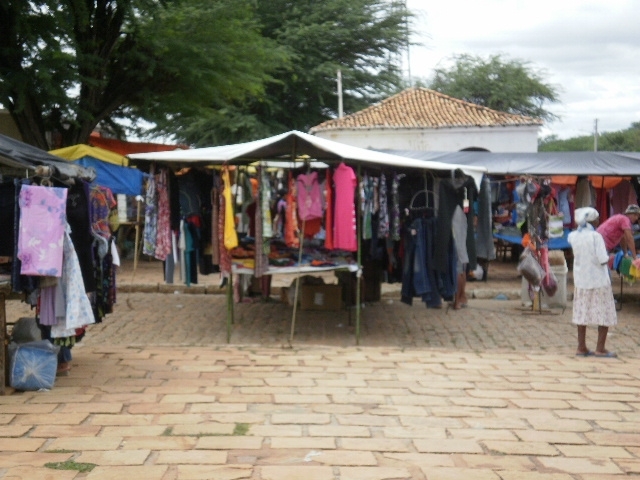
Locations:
(344, 222)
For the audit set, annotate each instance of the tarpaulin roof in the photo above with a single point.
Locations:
(284, 145)
(109, 168)
(125, 148)
(17, 154)
(538, 163)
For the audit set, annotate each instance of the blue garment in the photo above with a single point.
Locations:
(419, 278)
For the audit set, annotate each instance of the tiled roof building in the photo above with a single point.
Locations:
(419, 109)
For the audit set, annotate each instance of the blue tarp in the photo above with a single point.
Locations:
(119, 179)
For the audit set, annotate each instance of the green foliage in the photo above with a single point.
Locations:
(627, 140)
(241, 429)
(505, 85)
(71, 465)
(67, 66)
(362, 38)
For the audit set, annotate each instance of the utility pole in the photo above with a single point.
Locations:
(340, 111)
(595, 135)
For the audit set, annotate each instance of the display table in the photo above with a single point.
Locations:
(510, 236)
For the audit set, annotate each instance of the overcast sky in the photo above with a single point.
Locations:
(589, 49)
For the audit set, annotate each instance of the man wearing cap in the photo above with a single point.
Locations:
(618, 229)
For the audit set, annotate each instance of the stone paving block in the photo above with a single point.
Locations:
(346, 458)
(521, 448)
(204, 429)
(29, 408)
(482, 434)
(301, 419)
(591, 415)
(578, 466)
(6, 418)
(51, 397)
(352, 399)
(218, 472)
(119, 457)
(440, 473)
(52, 419)
(275, 430)
(519, 463)
(539, 403)
(366, 420)
(612, 438)
(13, 430)
(191, 457)
(338, 431)
(33, 459)
(151, 408)
(190, 398)
(229, 443)
(314, 443)
(447, 445)
(168, 442)
(91, 407)
(375, 444)
(413, 432)
(132, 431)
(593, 405)
(296, 473)
(338, 409)
(296, 399)
(593, 451)
(240, 398)
(58, 431)
(561, 425)
(620, 427)
(395, 410)
(81, 444)
(377, 473)
(510, 475)
(423, 460)
(28, 473)
(423, 400)
(549, 436)
(148, 472)
(121, 419)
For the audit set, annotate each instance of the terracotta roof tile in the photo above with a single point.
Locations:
(419, 107)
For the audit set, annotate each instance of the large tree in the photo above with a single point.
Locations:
(506, 85)
(67, 66)
(362, 38)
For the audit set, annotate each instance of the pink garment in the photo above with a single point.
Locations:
(344, 220)
(43, 218)
(163, 235)
(613, 230)
(309, 196)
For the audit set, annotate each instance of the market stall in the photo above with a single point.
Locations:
(349, 163)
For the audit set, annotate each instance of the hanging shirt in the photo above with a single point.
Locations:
(230, 235)
(344, 222)
(42, 222)
(150, 233)
(291, 218)
(163, 238)
(309, 197)
(383, 215)
(328, 221)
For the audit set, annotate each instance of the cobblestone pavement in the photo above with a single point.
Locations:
(487, 392)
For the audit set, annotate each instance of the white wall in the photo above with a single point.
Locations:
(493, 139)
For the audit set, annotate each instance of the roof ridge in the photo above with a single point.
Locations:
(421, 107)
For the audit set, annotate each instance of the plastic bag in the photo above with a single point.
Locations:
(550, 284)
(530, 269)
(556, 227)
(33, 365)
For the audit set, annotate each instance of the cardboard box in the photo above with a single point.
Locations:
(320, 297)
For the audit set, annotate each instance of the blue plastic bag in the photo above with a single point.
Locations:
(33, 365)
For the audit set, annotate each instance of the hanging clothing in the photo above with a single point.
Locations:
(328, 220)
(366, 201)
(224, 255)
(261, 259)
(484, 231)
(395, 206)
(344, 223)
(264, 194)
(452, 193)
(291, 229)
(42, 222)
(150, 233)
(309, 196)
(230, 235)
(383, 211)
(101, 202)
(163, 239)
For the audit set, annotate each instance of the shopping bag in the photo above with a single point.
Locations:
(529, 268)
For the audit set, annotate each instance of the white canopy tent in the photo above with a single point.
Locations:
(295, 143)
(296, 146)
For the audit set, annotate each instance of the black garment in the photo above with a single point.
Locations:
(174, 201)
(80, 223)
(7, 218)
(451, 194)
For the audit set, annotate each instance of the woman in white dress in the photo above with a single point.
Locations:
(593, 302)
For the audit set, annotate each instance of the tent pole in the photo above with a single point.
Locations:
(300, 242)
(359, 254)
